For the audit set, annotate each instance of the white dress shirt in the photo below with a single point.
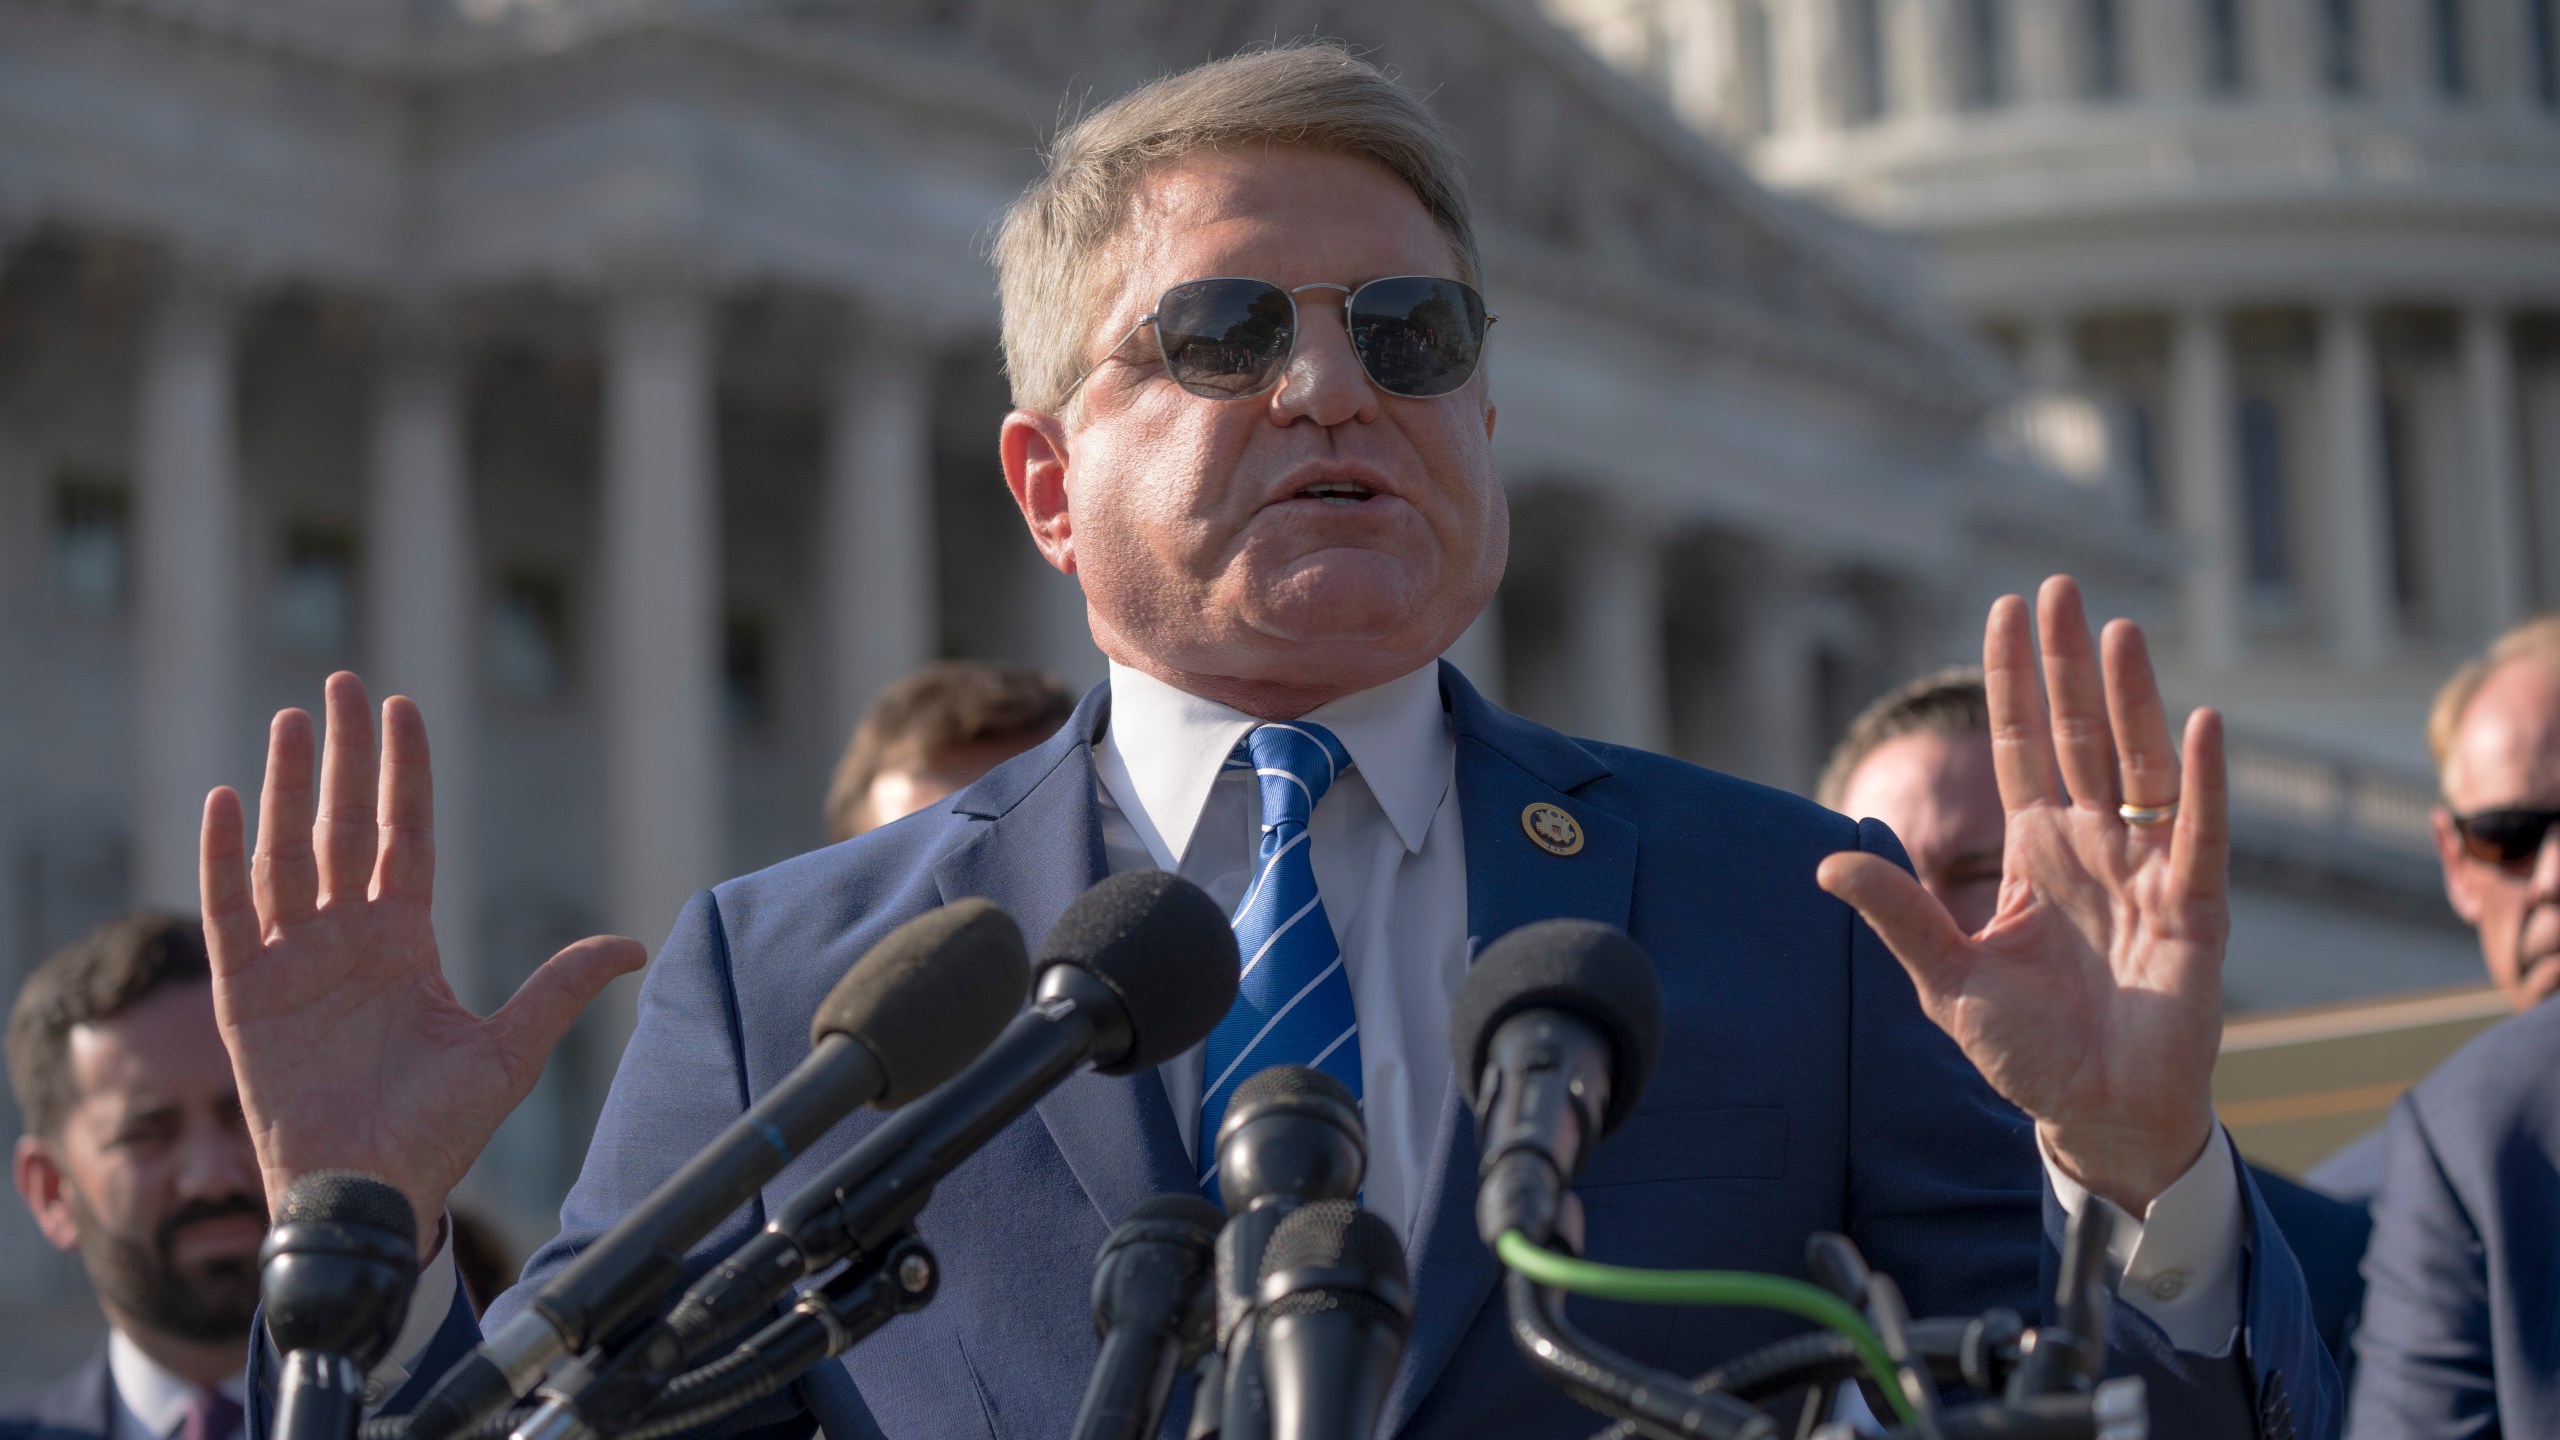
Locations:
(1390, 861)
(151, 1400)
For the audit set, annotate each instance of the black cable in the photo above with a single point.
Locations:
(1661, 1405)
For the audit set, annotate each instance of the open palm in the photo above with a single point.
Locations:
(2093, 998)
(350, 1049)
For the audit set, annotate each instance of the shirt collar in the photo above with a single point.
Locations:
(1165, 747)
(157, 1396)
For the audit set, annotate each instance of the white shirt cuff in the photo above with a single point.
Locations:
(2181, 1260)
(429, 1303)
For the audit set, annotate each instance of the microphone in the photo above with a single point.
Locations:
(914, 1009)
(1152, 1308)
(1139, 969)
(334, 1278)
(1292, 1136)
(1335, 1308)
(1554, 1033)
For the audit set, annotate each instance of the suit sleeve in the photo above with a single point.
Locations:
(2423, 1356)
(1946, 1189)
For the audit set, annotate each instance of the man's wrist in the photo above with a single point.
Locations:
(2131, 1168)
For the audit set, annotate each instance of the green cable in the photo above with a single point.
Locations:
(1710, 1287)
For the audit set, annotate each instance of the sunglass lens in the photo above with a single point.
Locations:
(1418, 336)
(1225, 338)
(2507, 838)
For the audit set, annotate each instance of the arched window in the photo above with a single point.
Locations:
(2265, 524)
(2341, 47)
(1870, 57)
(2226, 61)
(1986, 59)
(2542, 34)
(2445, 36)
(2102, 49)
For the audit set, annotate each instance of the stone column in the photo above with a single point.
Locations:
(2204, 484)
(1922, 77)
(2043, 35)
(882, 618)
(2363, 603)
(2163, 50)
(1614, 635)
(189, 649)
(1807, 46)
(2490, 424)
(422, 588)
(665, 830)
(1773, 673)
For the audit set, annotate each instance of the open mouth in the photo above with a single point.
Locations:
(1335, 492)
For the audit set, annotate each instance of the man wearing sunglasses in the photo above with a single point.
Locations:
(2461, 1336)
(1254, 421)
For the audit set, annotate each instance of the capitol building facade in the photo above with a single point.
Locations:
(2302, 255)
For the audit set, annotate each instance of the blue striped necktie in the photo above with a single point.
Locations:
(1293, 1004)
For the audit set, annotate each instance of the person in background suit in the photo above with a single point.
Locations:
(1919, 759)
(2461, 1335)
(933, 734)
(2515, 913)
(136, 1157)
(1244, 339)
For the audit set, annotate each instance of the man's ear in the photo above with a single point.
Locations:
(1034, 448)
(46, 1190)
(2461, 877)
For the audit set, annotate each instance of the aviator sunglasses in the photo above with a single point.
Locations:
(1417, 336)
(2508, 839)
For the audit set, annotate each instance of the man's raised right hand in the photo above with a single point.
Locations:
(350, 1050)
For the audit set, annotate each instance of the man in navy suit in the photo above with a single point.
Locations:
(136, 1157)
(1242, 330)
(2461, 1336)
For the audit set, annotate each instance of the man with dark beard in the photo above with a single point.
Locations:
(135, 1156)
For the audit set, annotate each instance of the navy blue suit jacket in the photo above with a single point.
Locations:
(79, 1406)
(1800, 1088)
(2461, 1333)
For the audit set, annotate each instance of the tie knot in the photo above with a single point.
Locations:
(1296, 761)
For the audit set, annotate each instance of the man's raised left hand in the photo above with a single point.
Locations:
(2093, 997)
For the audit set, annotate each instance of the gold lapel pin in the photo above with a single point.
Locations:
(1551, 829)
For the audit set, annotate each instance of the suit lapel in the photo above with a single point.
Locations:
(81, 1403)
(1040, 847)
(1505, 765)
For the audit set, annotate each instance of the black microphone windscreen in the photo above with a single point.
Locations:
(1595, 972)
(1333, 1235)
(1164, 947)
(931, 995)
(1290, 1082)
(1177, 1208)
(349, 1197)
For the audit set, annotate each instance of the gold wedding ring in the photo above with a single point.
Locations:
(2148, 814)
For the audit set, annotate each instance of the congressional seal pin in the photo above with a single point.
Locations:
(1553, 830)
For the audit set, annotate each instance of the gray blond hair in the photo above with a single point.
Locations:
(1316, 96)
